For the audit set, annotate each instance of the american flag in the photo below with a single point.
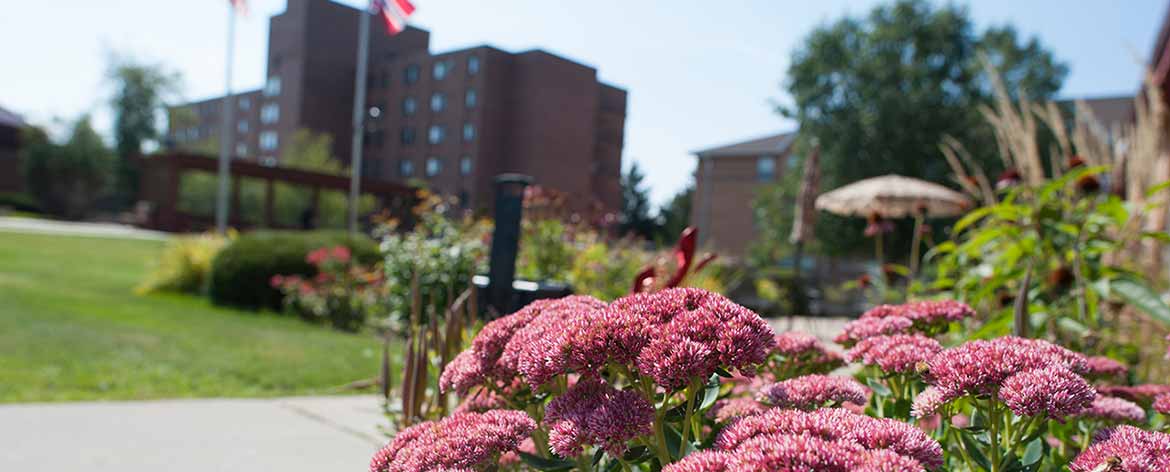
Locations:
(394, 13)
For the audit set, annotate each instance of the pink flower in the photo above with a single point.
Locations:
(937, 312)
(512, 459)
(704, 461)
(1101, 367)
(1138, 393)
(862, 328)
(594, 413)
(729, 409)
(800, 353)
(796, 452)
(1055, 392)
(481, 401)
(340, 254)
(1125, 448)
(929, 401)
(815, 391)
(1114, 410)
(980, 367)
(836, 425)
(674, 361)
(1162, 404)
(463, 373)
(462, 441)
(899, 353)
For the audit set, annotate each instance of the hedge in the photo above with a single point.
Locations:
(240, 273)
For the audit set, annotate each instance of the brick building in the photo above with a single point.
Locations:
(452, 120)
(726, 181)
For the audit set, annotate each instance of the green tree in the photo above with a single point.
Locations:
(635, 217)
(67, 178)
(140, 91)
(675, 216)
(880, 92)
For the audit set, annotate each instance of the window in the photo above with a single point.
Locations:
(270, 113)
(407, 136)
(242, 126)
(471, 99)
(765, 168)
(405, 168)
(409, 105)
(410, 74)
(435, 134)
(373, 138)
(468, 132)
(433, 166)
(438, 101)
(268, 140)
(440, 69)
(268, 161)
(241, 149)
(245, 103)
(473, 65)
(465, 165)
(272, 88)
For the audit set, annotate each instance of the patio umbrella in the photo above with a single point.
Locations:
(895, 196)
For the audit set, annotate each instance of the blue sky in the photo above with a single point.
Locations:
(699, 73)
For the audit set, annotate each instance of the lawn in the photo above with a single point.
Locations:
(71, 329)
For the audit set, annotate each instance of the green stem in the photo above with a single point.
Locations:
(691, 393)
(993, 430)
(962, 448)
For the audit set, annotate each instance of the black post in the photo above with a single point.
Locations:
(506, 240)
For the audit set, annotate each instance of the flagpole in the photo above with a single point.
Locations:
(359, 113)
(225, 135)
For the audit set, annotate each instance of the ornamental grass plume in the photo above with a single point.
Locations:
(594, 413)
(863, 328)
(1162, 404)
(814, 391)
(1114, 410)
(835, 425)
(1054, 392)
(463, 441)
(899, 353)
(1125, 449)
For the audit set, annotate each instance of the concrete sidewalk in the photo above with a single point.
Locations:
(286, 434)
(77, 228)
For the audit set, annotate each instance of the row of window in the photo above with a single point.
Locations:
(436, 134)
(433, 167)
(439, 70)
(438, 104)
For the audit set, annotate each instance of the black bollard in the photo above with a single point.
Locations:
(506, 241)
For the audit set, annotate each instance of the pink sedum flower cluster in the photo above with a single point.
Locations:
(1101, 367)
(1037, 377)
(1144, 393)
(863, 328)
(463, 441)
(593, 413)
(1125, 449)
(798, 352)
(900, 353)
(1114, 410)
(821, 440)
(921, 316)
(729, 409)
(1162, 404)
(810, 392)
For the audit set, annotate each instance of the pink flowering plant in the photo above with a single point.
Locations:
(342, 293)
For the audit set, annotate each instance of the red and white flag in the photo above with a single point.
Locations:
(394, 13)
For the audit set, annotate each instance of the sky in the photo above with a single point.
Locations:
(698, 73)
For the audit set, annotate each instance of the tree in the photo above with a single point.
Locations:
(66, 178)
(138, 101)
(675, 216)
(635, 217)
(880, 92)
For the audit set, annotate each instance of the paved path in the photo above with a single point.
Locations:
(77, 228)
(288, 435)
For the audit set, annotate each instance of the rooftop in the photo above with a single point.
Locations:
(772, 144)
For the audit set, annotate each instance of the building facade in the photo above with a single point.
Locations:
(726, 180)
(450, 121)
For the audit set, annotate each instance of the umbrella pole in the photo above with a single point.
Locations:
(915, 244)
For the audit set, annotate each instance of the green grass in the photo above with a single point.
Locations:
(71, 329)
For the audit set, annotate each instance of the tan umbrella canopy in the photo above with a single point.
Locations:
(893, 196)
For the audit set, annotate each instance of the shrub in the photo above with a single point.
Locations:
(184, 265)
(22, 202)
(240, 273)
(343, 293)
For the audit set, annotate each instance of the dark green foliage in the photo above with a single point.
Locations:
(138, 100)
(675, 216)
(880, 92)
(241, 272)
(67, 178)
(635, 217)
(19, 202)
